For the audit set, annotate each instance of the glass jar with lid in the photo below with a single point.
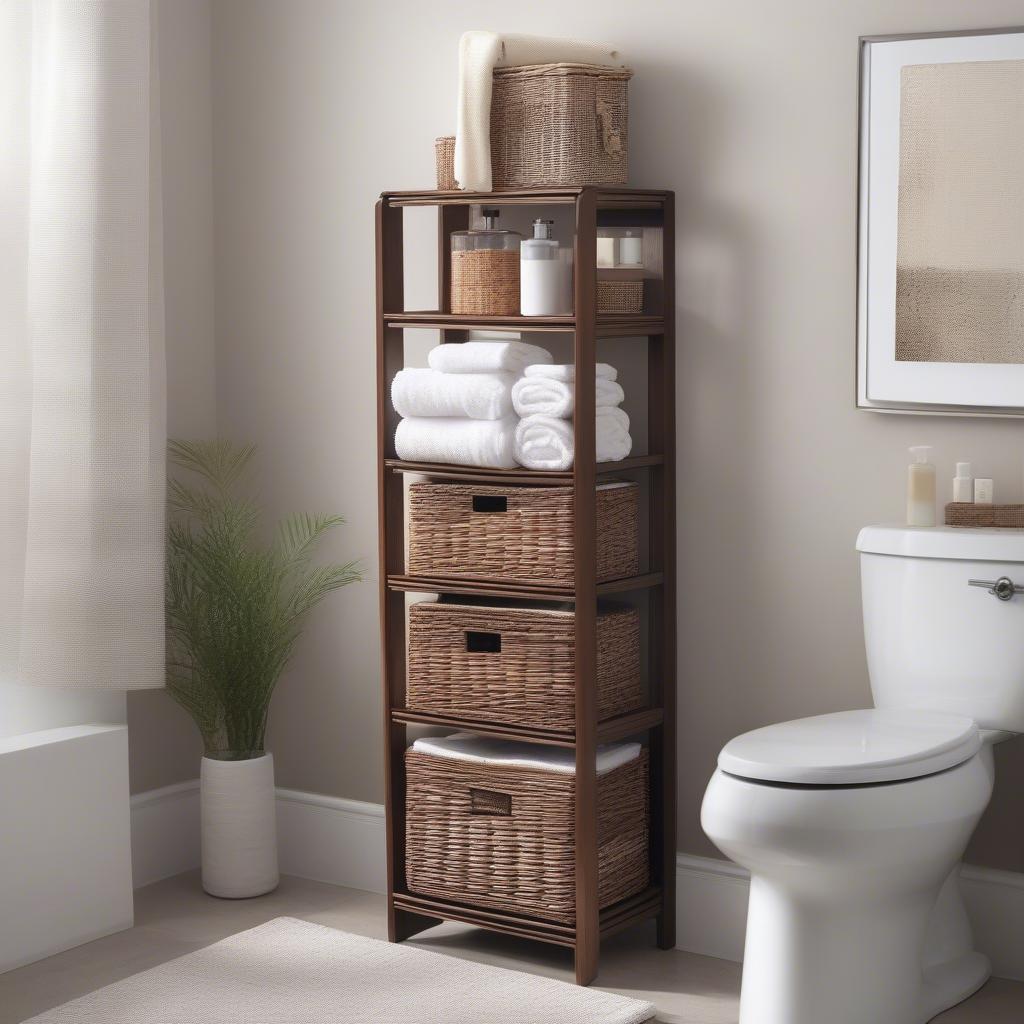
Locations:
(485, 269)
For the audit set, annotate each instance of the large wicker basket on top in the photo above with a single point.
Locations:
(559, 124)
(503, 837)
(517, 534)
(516, 665)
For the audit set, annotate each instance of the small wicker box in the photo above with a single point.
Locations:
(503, 837)
(516, 665)
(966, 513)
(620, 296)
(517, 534)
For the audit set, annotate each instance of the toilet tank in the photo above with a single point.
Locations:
(935, 642)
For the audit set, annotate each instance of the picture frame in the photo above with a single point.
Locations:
(940, 304)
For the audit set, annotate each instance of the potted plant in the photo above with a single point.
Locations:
(235, 610)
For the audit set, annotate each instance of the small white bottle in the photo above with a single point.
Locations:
(545, 274)
(963, 485)
(921, 488)
(631, 250)
(982, 491)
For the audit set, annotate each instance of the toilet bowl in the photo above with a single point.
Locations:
(853, 825)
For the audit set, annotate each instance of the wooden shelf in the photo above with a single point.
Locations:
(479, 586)
(609, 325)
(537, 477)
(604, 195)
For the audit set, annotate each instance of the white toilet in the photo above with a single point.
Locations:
(852, 825)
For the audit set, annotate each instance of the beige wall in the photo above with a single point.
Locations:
(749, 110)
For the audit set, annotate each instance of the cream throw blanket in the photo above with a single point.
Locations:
(479, 54)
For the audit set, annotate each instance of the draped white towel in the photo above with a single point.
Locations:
(487, 357)
(567, 371)
(460, 442)
(533, 396)
(547, 442)
(465, 746)
(479, 54)
(478, 396)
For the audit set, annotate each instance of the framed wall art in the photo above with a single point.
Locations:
(941, 227)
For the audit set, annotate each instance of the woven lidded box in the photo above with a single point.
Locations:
(503, 836)
(517, 534)
(559, 124)
(516, 665)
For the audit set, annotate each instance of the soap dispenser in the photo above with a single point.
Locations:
(921, 488)
(545, 274)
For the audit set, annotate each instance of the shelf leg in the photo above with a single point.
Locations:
(404, 924)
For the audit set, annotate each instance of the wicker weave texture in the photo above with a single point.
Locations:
(485, 282)
(529, 541)
(444, 158)
(559, 124)
(518, 853)
(530, 679)
(964, 513)
(620, 296)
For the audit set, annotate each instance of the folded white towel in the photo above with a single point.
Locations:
(480, 396)
(479, 54)
(545, 442)
(487, 357)
(543, 396)
(465, 746)
(460, 442)
(567, 371)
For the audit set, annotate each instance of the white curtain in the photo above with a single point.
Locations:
(82, 390)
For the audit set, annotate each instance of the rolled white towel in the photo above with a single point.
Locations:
(567, 371)
(544, 396)
(480, 396)
(458, 442)
(487, 357)
(546, 442)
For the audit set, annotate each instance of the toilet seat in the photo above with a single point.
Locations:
(853, 748)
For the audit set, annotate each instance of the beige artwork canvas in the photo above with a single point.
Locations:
(960, 247)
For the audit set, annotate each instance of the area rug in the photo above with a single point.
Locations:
(294, 972)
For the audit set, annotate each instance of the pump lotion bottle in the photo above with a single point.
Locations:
(921, 488)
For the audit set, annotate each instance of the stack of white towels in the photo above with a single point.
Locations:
(545, 398)
(465, 409)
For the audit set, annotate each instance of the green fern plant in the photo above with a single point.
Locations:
(235, 607)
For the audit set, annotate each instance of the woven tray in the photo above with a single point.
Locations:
(517, 665)
(504, 837)
(965, 513)
(516, 534)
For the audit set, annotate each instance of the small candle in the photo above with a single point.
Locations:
(605, 252)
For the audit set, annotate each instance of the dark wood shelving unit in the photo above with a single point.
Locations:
(409, 913)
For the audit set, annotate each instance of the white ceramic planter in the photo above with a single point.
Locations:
(239, 827)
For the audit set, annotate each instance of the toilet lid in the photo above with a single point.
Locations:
(853, 747)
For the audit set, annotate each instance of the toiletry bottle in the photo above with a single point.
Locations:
(545, 274)
(982, 491)
(631, 249)
(605, 248)
(921, 488)
(963, 485)
(485, 269)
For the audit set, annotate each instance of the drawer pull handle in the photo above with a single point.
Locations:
(490, 503)
(483, 643)
(494, 805)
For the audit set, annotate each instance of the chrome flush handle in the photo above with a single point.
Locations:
(1004, 588)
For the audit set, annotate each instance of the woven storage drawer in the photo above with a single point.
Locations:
(516, 534)
(620, 296)
(559, 124)
(516, 665)
(503, 837)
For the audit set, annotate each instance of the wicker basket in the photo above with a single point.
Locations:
(502, 837)
(559, 124)
(516, 665)
(620, 296)
(516, 534)
(966, 513)
(485, 282)
(444, 158)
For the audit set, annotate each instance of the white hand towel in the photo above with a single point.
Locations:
(487, 357)
(459, 442)
(543, 396)
(479, 396)
(567, 371)
(545, 442)
(465, 746)
(479, 54)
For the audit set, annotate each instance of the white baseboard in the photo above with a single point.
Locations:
(331, 839)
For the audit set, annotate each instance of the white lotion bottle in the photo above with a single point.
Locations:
(545, 274)
(921, 488)
(963, 484)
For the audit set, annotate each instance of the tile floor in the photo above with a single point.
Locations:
(175, 917)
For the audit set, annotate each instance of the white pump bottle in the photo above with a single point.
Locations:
(921, 488)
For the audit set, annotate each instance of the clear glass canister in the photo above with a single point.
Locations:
(485, 269)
